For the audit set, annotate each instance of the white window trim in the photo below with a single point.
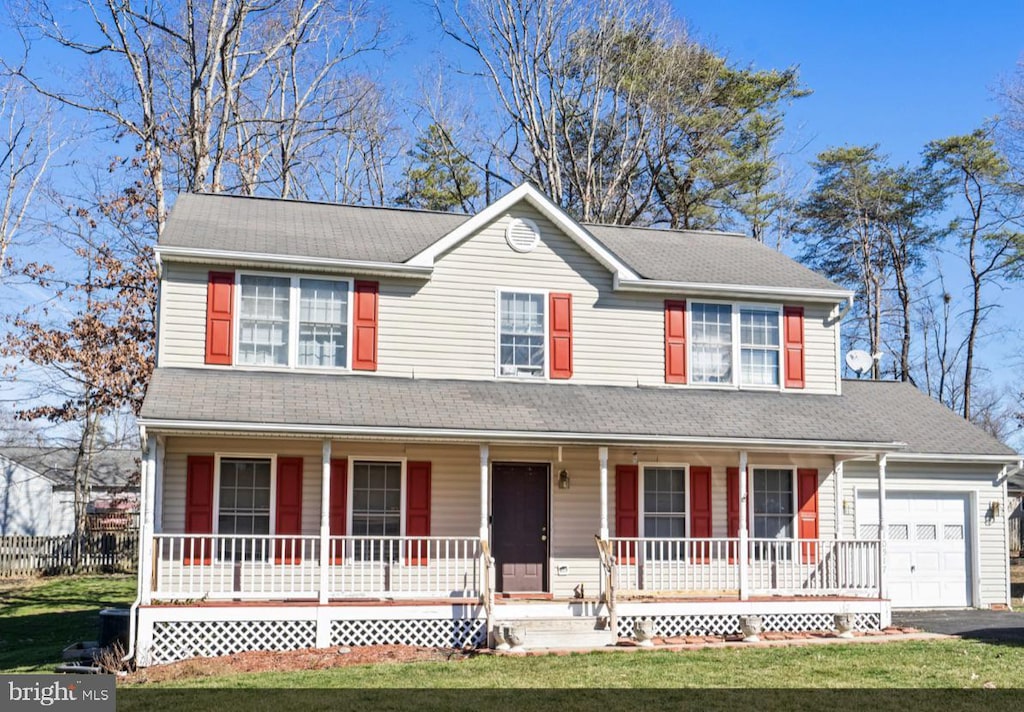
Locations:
(795, 499)
(685, 467)
(293, 321)
(217, 457)
(735, 308)
(350, 485)
(498, 291)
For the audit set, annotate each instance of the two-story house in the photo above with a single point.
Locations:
(371, 425)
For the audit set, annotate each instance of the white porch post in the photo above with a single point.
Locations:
(837, 473)
(883, 527)
(602, 456)
(485, 457)
(146, 525)
(743, 554)
(325, 521)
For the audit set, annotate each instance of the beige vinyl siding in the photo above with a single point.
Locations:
(820, 334)
(574, 515)
(183, 315)
(447, 327)
(455, 476)
(988, 533)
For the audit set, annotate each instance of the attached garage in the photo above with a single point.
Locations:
(929, 562)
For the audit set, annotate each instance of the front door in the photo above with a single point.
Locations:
(519, 526)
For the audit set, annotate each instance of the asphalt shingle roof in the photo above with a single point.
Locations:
(392, 235)
(867, 412)
(110, 467)
(289, 227)
(705, 257)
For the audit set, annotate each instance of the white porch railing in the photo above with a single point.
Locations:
(396, 567)
(222, 566)
(774, 566)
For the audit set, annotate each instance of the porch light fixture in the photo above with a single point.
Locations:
(563, 479)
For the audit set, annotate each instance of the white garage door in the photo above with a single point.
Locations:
(928, 562)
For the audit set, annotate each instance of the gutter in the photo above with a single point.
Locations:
(955, 457)
(324, 264)
(523, 437)
(733, 290)
(134, 610)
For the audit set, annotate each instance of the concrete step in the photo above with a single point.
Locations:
(565, 632)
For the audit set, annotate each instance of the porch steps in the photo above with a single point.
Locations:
(564, 632)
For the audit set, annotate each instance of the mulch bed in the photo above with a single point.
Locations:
(292, 660)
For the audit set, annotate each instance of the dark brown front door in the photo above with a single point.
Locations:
(519, 526)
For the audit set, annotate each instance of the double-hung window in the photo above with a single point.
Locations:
(664, 493)
(712, 343)
(293, 321)
(759, 347)
(719, 358)
(244, 505)
(521, 334)
(773, 509)
(376, 508)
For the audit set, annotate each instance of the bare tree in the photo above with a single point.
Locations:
(986, 227)
(28, 145)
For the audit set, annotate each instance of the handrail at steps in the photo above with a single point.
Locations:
(604, 550)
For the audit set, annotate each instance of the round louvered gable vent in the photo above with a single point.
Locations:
(522, 235)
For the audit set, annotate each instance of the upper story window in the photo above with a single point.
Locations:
(712, 343)
(521, 334)
(719, 358)
(759, 347)
(292, 321)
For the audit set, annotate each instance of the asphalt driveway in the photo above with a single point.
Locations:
(991, 626)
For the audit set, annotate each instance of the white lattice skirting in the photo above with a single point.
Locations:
(670, 626)
(436, 633)
(178, 640)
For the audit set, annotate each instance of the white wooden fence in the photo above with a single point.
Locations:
(95, 552)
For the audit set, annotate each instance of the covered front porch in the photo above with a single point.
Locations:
(549, 524)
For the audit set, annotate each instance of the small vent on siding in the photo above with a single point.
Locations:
(522, 235)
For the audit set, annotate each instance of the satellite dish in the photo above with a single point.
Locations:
(860, 361)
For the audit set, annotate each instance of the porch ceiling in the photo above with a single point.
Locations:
(869, 416)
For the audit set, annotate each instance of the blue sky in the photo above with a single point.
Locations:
(894, 73)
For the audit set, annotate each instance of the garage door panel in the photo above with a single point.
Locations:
(928, 563)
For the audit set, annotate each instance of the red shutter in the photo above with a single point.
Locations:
(560, 326)
(288, 518)
(627, 509)
(732, 496)
(417, 511)
(793, 322)
(700, 511)
(675, 341)
(807, 517)
(199, 508)
(220, 301)
(338, 506)
(364, 326)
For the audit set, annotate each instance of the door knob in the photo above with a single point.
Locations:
(543, 537)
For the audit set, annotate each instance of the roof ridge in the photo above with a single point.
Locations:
(671, 231)
(324, 203)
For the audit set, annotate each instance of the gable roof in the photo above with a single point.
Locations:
(210, 227)
(110, 467)
(491, 410)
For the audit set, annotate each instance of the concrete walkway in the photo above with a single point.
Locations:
(991, 626)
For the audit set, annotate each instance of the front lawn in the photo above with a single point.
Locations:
(936, 664)
(40, 617)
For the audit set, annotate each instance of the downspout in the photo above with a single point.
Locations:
(134, 610)
(844, 309)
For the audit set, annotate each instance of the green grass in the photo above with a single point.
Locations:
(39, 618)
(946, 663)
